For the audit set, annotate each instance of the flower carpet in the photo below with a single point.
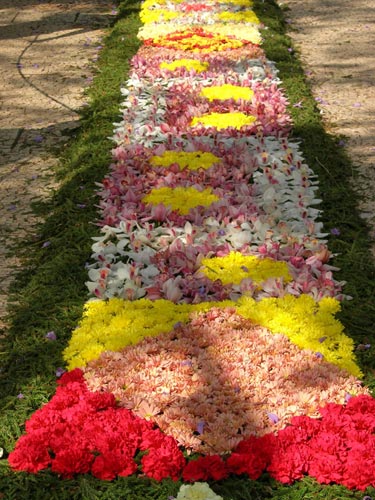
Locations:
(209, 347)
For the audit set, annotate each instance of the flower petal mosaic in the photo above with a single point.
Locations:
(210, 345)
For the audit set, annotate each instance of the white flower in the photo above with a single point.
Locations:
(197, 491)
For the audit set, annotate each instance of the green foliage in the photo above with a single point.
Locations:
(49, 294)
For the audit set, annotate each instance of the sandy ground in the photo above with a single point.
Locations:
(48, 50)
(336, 41)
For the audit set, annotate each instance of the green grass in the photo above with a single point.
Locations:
(50, 292)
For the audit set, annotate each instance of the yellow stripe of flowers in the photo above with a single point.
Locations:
(188, 40)
(181, 199)
(112, 325)
(307, 324)
(223, 120)
(240, 3)
(189, 64)
(191, 160)
(227, 91)
(229, 35)
(154, 16)
(240, 17)
(235, 267)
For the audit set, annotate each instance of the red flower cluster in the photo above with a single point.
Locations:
(338, 448)
(80, 431)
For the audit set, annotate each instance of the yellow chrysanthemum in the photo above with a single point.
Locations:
(181, 199)
(235, 267)
(150, 4)
(203, 39)
(156, 15)
(227, 91)
(240, 3)
(242, 32)
(308, 324)
(239, 17)
(194, 40)
(189, 64)
(191, 160)
(223, 120)
(116, 323)
(112, 325)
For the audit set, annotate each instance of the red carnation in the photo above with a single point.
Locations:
(67, 378)
(205, 468)
(161, 463)
(111, 464)
(250, 463)
(101, 400)
(72, 460)
(30, 454)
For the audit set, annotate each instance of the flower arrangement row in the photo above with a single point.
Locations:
(211, 326)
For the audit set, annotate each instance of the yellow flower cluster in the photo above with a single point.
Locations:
(235, 267)
(191, 160)
(220, 36)
(189, 64)
(181, 199)
(189, 40)
(227, 91)
(239, 3)
(239, 17)
(223, 120)
(241, 32)
(112, 325)
(308, 324)
(148, 15)
(147, 4)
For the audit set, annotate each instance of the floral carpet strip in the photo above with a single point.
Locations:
(211, 325)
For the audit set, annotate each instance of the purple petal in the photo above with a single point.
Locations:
(200, 427)
(319, 355)
(273, 417)
(60, 371)
(20, 396)
(335, 231)
(51, 335)
(46, 244)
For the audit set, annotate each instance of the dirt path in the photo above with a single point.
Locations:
(336, 39)
(48, 49)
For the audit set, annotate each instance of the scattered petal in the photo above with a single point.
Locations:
(51, 335)
(59, 372)
(273, 417)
